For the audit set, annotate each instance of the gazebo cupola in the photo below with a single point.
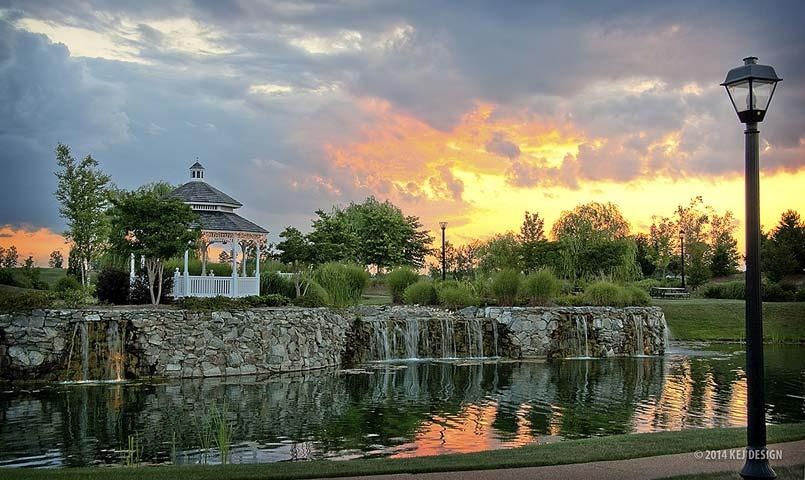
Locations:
(219, 224)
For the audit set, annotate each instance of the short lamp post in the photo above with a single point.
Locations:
(682, 254)
(444, 259)
(750, 88)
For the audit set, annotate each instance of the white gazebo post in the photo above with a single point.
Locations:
(132, 277)
(186, 274)
(257, 266)
(235, 267)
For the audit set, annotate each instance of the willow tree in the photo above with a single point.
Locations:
(145, 223)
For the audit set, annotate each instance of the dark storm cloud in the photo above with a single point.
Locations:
(431, 60)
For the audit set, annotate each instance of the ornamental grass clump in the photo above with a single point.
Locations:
(456, 296)
(420, 293)
(400, 279)
(605, 294)
(540, 287)
(344, 283)
(505, 285)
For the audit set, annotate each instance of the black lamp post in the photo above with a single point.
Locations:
(444, 262)
(682, 254)
(750, 88)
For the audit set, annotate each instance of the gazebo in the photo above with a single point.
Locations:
(219, 224)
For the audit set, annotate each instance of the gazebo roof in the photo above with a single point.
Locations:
(227, 222)
(203, 192)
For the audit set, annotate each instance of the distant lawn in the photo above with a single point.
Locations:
(368, 299)
(712, 320)
(47, 275)
(615, 447)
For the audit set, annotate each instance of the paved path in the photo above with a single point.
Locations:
(790, 453)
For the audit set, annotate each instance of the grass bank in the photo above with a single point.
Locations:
(791, 472)
(723, 320)
(617, 447)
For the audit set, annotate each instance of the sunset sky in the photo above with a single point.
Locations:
(466, 112)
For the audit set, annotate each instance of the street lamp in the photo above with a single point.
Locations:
(682, 254)
(750, 88)
(444, 262)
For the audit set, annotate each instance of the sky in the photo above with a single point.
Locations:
(467, 112)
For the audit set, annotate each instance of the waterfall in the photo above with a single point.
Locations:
(448, 342)
(495, 336)
(115, 346)
(84, 351)
(411, 338)
(582, 344)
(380, 340)
(475, 338)
(638, 326)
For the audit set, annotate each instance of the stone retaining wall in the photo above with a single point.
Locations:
(172, 343)
(100, 344)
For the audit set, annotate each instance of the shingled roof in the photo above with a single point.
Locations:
(203, 192)
(227, 222)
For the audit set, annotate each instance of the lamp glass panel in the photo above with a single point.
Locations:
(762, 93)
(739, 93)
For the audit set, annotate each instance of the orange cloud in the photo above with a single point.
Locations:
(36, 242)
(482, 174)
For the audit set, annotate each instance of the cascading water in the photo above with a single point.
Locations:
(448, 341)
(411, 338)
(582, 340)
(84, 352)
(475, 338)
(495, 337)
(638, 328)
(115, 346)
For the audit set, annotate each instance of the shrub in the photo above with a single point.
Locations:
(65, 284)
(648, 283)
(274, 283)
(775, 292)
(456, 296)
(569, 300)
(540, 287)
(727, 290)
(315, 296)
(800, 296)
(636, 296)
(505, 286)
(225, 303)
(112, 286)
(344, 283)
(605, 294)
(398, 280)
(420, 293)
(23, 302)
(7, 277)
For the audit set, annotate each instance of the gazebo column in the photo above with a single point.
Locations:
(257, 266)
(186, 274)
(235, 267)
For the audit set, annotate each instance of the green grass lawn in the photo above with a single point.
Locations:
(368, 299)
(617, 447)
(709, 320)
(47, 275)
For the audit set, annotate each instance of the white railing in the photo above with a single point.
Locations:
(211, 286)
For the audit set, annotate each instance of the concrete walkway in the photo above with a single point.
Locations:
(790, 453)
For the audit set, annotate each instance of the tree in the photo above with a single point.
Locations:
(644, 254)
(294, 247)
(591, 220)
(29, 263)
(724, 246)
(369, 233)
(697, 263)
(500, 252)
(533, 228)
(11, 257)
(143, 223)
(56, 259)
(82, 193)
(783, 251)
(663, 235)
(224, 257)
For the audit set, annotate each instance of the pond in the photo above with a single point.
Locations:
(392, 409)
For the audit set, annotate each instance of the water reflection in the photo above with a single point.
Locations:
(409, 409)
